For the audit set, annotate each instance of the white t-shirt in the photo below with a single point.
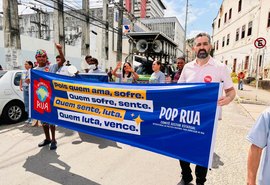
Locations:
(259, 135)
(212, 71)
(25, 75)
(126, 79)
(64, 71)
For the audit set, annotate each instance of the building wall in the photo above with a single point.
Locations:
(241, 54)
(154, 8)
(30, 42)
(264, 31)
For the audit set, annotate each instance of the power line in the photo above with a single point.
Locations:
(48, 5)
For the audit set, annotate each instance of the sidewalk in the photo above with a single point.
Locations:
(253, 100)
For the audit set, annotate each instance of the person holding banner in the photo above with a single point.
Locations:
(259, 137)
(128, 73)
(24, 86)
(157, 76)
(41, 57)
(205, 69)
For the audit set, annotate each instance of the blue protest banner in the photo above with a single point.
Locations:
(176, 120)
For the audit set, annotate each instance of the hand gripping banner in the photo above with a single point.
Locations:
(176, 120)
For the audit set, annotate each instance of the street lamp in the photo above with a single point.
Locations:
(185, 36)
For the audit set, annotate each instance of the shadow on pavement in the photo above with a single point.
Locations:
(66, 132)
(47, 164)
(102, 143)
(36, 131)
(181, 183)
(216, 161)
(9, 127)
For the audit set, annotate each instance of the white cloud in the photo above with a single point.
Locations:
(213, 5)
(177, 8)
(193, 33)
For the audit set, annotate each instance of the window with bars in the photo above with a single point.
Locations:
(237, 34)
(268, 20)
(228, 39)
(230, 13)
(243, 31)
(246, 62)
(239, 5)
(249, 28)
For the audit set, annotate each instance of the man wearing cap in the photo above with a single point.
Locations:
(43, 65)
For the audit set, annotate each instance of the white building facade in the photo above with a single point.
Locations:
(237, 25)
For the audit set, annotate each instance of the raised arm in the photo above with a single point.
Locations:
(59, 48)
(118, 66)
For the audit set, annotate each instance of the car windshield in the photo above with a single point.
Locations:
(144, 69)
(2, 73)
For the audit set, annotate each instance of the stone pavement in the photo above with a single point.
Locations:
(87, 160)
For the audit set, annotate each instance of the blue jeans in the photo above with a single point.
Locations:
(240, 84)
(26, 98)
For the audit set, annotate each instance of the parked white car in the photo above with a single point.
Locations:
(11, 97)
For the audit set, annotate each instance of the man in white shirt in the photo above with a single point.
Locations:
(205, 69)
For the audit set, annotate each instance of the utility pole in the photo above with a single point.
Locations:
(59, 32)
(12, 41)
(105, 32)
(120, 31)
(85, 44)
(132, 20)
(185, 36)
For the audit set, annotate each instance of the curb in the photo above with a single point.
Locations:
(248, 101)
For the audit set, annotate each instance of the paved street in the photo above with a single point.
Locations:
(84, 159)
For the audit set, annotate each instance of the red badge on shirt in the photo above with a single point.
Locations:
(207, 79)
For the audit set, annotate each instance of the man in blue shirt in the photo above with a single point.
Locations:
(259, 136)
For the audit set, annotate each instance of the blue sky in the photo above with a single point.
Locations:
(200, 16)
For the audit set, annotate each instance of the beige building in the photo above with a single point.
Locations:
(237, 25)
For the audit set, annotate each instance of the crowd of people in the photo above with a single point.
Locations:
(203, 68)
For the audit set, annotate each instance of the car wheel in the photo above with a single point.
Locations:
(13, 112)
